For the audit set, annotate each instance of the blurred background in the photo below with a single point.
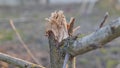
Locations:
(29, 19)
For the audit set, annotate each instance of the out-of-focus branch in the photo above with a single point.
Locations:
(18, 62)
(67, 56)
(22, 42)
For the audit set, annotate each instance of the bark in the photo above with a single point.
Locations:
(96, 39)
(62, 41)
(56, 56)
(18, 62)
(58, 30)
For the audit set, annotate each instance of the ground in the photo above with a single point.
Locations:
(30, 23)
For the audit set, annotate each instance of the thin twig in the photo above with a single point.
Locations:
(22, 42)
(76, 28)
(104, 19)
(66, 60)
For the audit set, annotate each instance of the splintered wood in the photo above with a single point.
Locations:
(58, 25)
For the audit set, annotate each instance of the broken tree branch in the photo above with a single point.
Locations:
(58, 29)
(70, 45)
(18, 62)
(96, 39)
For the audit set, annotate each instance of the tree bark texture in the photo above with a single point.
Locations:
(56, 57)
(60, 38)
(96, 39)
(58, 30)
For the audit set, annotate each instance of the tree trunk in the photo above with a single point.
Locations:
(64, 46)
(56, 57)
(57, 31)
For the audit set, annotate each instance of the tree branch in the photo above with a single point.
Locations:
(104, 19)
(22, 42)
(59, 33)
(96, 39)
(18, 62)
(67, 56)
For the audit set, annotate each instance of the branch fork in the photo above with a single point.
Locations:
(64, 34)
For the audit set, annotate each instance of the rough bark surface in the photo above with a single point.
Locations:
(62, 38)
(96, 39)
(58, 30)
(56, 57)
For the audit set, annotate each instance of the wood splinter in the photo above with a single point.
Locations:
(70, 26)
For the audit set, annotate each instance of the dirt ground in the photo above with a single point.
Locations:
(30, 23)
